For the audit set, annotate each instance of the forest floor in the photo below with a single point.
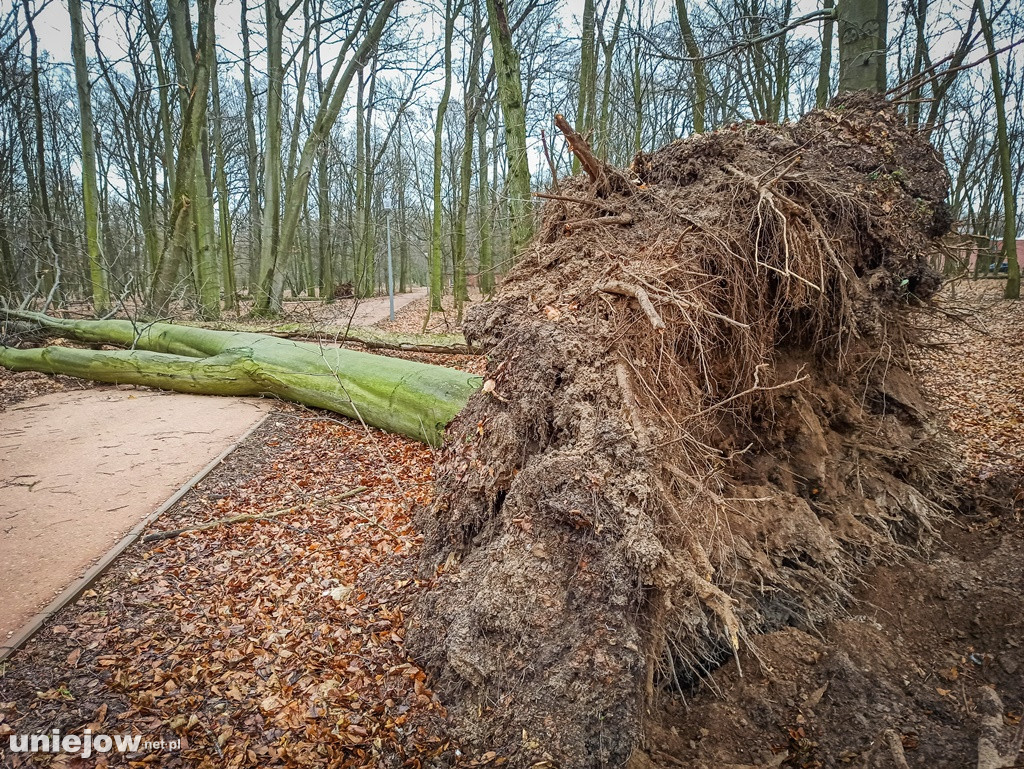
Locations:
(280, 642)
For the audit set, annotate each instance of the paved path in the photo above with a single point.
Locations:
(377, 308)
(79, 469)
(368, 311)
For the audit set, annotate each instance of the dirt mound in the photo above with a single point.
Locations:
(699, 426)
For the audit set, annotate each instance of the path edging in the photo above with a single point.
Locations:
(83, 583)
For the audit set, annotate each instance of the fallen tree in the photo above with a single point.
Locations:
(406, 397)
(367, 336)
(700, 424)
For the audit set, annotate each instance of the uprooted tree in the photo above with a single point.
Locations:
(699, 422)
(406, 397)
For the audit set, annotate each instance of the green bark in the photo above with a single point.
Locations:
(252, 152)
(486, 269)
(436, 285)
(326, 276)
(189, 155)
(227, 248)
(588, 77)
(273, 270)
(266, 301)
(513, 109)
(471, 109)
(90, 193)
(400, 396)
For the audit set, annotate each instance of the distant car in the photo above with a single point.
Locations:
(1004, 268)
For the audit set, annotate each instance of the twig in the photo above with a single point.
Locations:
(172, 533)
(625, 289)
(551, 163)
(755, 388)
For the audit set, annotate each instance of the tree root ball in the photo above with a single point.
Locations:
(699, 424)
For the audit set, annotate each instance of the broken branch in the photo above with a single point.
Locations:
(172, 533)
(580, 148)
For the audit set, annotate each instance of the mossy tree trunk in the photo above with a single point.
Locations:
(513, 110)
(400, 396)
(90, 193)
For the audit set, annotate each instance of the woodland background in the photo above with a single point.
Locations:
(226, 157)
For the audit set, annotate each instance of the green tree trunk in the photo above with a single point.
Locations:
(266, 300)
(405, 397)
(920, 10)
(588, 77)
(50, 262)
(252, 150)
(513, 109)
(486, 269)
(436, 284)
(326, 281)
(90, 194)
(274, 269)
(189, 155)
(227, 246)
(471, 104)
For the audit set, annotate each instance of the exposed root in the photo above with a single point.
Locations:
(618, 287)
(997, 748)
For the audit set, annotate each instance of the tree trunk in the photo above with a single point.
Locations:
(700, 77)
(436, 286)
(486, 267)
(606, 88)
(471, 109)
(50, 268)
(274, 268)
(227, 247)
(90, 194)
(920, 53)
(588, 77)
(1009, 251)
(513, 109)
(400, 396)
(265, 300)
(252, 150)
(862, 28)
(825, 62)
(185, 171)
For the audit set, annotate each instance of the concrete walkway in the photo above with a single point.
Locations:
(79, 469)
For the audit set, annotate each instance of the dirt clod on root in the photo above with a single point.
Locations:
(699, 425)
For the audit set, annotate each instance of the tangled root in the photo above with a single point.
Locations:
(699, 425)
